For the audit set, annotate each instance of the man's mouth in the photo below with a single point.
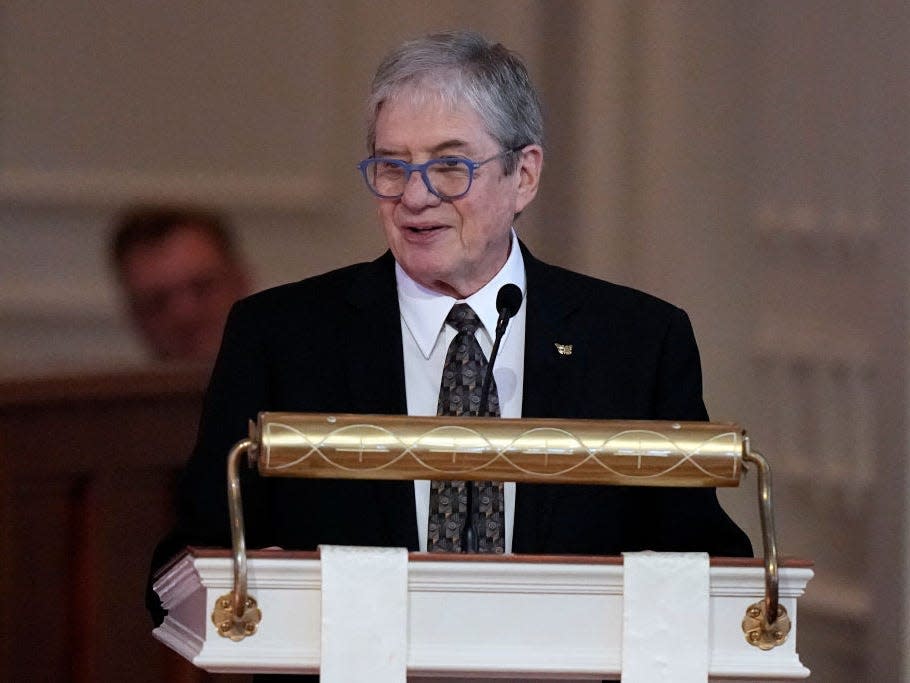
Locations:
(422, 229)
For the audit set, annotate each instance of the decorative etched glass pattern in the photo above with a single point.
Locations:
(644, 453)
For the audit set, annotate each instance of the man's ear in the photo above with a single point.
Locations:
(530, 164)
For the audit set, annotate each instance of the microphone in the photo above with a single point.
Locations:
(508, 301)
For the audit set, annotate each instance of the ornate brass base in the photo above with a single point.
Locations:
(229, 625)
(762, 634)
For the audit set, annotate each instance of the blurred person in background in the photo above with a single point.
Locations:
(180, 271)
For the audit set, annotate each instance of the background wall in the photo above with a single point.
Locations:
(745, 160)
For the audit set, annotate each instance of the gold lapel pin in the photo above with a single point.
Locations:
(564, 349)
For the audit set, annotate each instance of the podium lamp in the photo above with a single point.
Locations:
(557, 616)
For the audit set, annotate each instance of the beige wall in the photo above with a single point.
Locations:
(744, 160)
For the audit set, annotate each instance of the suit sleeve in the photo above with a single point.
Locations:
(237, 391)
(678, 389)
(686, 519)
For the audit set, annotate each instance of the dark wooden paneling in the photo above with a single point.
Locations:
(87, 471)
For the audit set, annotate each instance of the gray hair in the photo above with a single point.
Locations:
(463, 66)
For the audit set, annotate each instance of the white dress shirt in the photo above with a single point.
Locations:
(425, 341)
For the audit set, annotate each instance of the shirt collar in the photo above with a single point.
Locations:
(424, 311)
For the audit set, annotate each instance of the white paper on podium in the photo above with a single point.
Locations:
(665, 617)
(364, 614)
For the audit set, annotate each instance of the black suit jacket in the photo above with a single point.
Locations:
(332, 343)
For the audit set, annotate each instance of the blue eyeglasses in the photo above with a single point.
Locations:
(448, 178)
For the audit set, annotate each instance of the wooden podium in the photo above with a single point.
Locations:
(552, 616)
(557, 617)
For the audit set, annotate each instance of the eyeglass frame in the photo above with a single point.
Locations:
(422, 168)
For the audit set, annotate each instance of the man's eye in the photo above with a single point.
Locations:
(388, 169)
(450, 167)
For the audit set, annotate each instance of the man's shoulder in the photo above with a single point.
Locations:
(595, 294)
(332, 288)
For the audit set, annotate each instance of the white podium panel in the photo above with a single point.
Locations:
(552, 617)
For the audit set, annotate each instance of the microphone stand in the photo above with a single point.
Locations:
(507, 307)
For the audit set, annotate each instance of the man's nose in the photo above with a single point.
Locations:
(416, 193)
(183, 304)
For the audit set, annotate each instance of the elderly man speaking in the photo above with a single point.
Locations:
(455, 155)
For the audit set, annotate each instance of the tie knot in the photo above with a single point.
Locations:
(463, 318)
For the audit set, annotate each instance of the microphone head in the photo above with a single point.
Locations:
(508, 300)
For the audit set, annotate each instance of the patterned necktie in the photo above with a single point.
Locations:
(459, 394)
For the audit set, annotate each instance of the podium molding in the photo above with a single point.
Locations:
(558, 616)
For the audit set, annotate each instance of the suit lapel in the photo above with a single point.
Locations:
(374, 362)
(375, 378)
(548, 386)
(549, 376)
